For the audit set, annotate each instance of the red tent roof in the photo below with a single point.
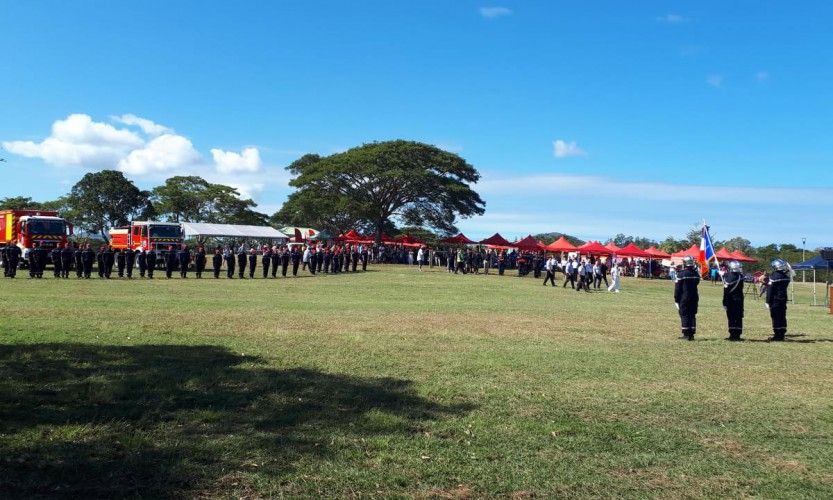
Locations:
(741, 257)
(496, 240)
(612, 247)
(351, 235)
(631, 250)
(593, 247)
(724, 254)
(692, 251)
(657, 253)
(460, 239)
(529, 244)
(408, 240)
(561, 245)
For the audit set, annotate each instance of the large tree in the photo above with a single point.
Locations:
(19, 203)
(193, 199)
(105, 199)
(414, 183)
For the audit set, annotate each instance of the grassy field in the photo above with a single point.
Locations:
(406, 384)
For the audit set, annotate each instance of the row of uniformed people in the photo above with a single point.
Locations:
(687, 298)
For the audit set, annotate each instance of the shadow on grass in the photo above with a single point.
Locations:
(113, 421)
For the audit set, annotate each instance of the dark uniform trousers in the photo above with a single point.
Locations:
(230, 266)
(276, 261)
(57, 268)
(550, 277)
(216, 264)
(686, 296)
(267, 259)
(252, 265)
(151, 260)
(779, 321)
(241, 265)
(129, 262)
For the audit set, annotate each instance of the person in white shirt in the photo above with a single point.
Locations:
(550, 266)
(305, 259)
(420, 257)
(614, 275)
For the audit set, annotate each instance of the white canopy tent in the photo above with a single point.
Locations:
(206, 230)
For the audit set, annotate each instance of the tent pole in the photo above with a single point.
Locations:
(814, 286)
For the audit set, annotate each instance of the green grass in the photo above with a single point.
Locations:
(399, 383)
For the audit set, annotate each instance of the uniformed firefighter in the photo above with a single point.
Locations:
(170, 262)
(142, 261)
(229, 257)
(276, 260)
(284, 261)
(252, 262)
(99, 261)
(242, 258)
(4, 256)
(120, 263)
(217, 262)
(129, 261)
(296, 256)
(87, 259)
(686, 297)
(265, 260)
(199, 261)
(776, 299)
(36, 256)
(733, 299)
(151, 258)
(66, 260)
(13, 254)
(109, 260)
(55, 255)
(183, 257)
(78, 256)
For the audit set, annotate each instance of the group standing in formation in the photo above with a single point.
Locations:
(686, 299)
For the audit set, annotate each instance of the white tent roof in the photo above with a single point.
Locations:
(231, 230)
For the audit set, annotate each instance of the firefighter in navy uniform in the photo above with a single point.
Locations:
(170, 262)
(284, 261)
(55, 255)
(4, 256)
(686, 297)
(776, 299)
(252, 262)
(66, 260)
(295, 255)
(109, 259)
(183, 257)
(150, 258)
(265, 260)
(276, 260)
(199, 261)
(13, 254)
(35, 260)
(242, 259)
(78, 255)
(129, 261)
(217, 262)
(733, 300)
(87, 258)
(120, 262)
(142, 261)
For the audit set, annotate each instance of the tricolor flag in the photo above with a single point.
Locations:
(706, 251)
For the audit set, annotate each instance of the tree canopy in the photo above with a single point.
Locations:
(105, 199)
(414, 183)
(193, 199)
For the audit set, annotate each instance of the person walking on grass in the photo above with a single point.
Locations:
(549, 267)
(615, 276)
(420, 257)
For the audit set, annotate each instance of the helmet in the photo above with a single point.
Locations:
(779, 265)
(688, 261)
(735, 266)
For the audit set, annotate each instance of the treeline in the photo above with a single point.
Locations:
(106, 199)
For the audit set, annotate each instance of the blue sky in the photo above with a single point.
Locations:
(586, 118)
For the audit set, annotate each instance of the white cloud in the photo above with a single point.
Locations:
(166, 153)
(147, 126)
(229, 162)
(78, 140)
(672, 19)
(564, 149)
(495, 12)
(761, 76)
(715, 81)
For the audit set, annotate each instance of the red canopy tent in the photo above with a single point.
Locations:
(408, 240)
(612, 247)
(593, 248)
(724, 254)
(528, 244)
(459, 239)
(656, 253)
(631, 250)
(496, 240)
(741, 257)
(351, 236)
(561, 245)
(692, 251)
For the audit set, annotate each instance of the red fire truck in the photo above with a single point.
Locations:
(24, 227)
(147, 234)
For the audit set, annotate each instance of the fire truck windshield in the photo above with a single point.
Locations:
(46, 227)
(165, 232)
